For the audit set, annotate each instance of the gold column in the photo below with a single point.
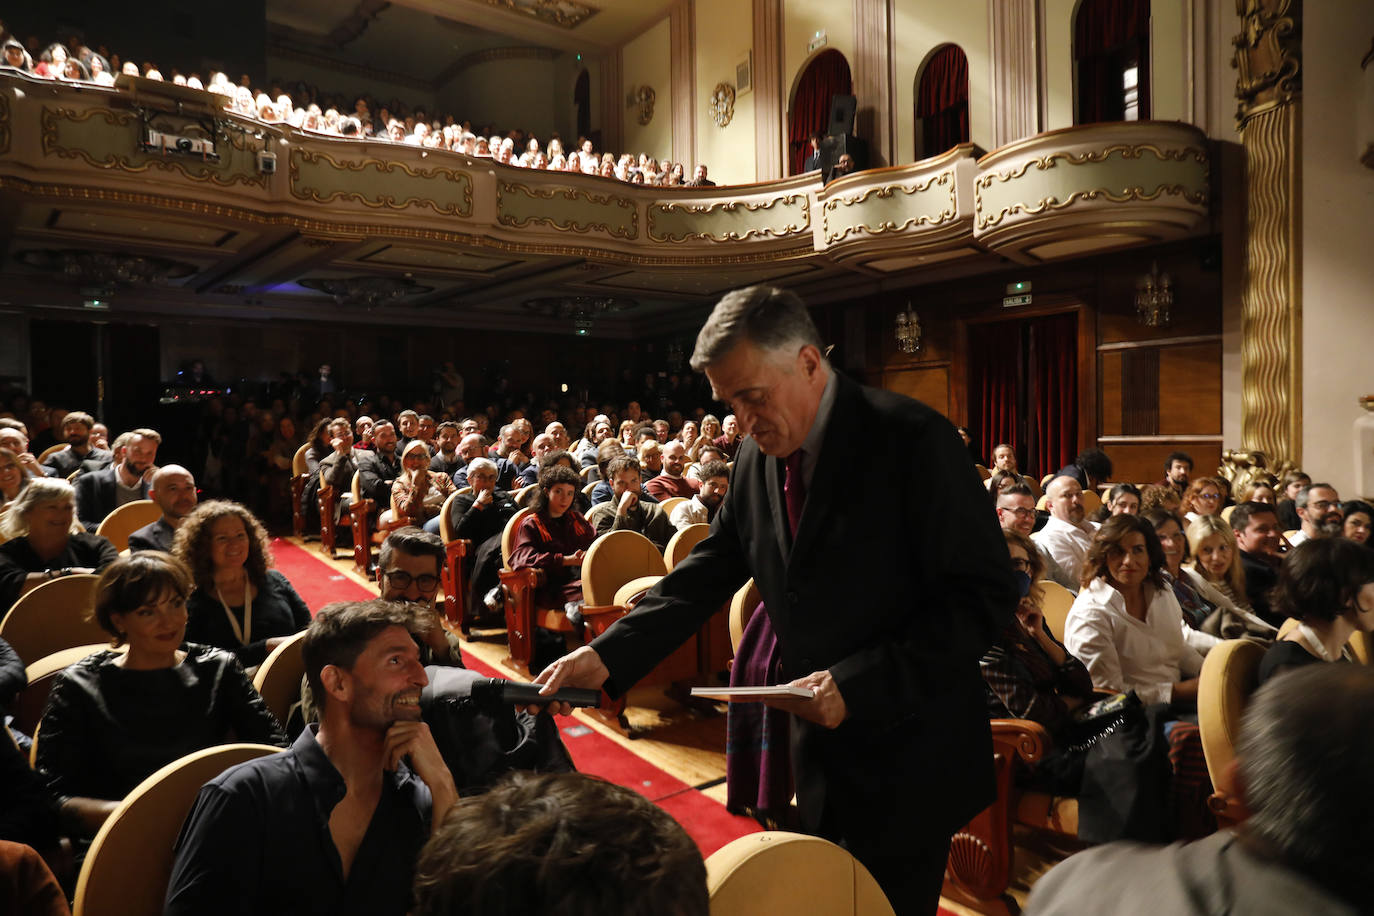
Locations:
(1269, 86)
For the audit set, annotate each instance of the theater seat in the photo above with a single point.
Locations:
(300, 476)
(56, 615)
(130, 860)
(784, 874)
(681, 544)
(126, 519)
(1055, 602)
(454, 577)
(1230, 674)
(278, 678)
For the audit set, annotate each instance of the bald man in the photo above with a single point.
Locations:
(474, 446)
(1067, 535)
(174, 490)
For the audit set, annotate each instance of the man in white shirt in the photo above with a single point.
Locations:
(701, 508)
(1066, 536)
(1319, 507)
(1016, 512)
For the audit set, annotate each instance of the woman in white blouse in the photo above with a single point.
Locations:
(1126, 625)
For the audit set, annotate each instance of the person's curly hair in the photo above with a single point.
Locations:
(1106, 546)
(559, 843)
(192, 544)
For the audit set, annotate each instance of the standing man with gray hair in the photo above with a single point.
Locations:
(898, 697)
(1300, 767)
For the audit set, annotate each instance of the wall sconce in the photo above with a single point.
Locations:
(908, 331)
(1154, 296)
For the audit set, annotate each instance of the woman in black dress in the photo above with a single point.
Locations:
(113, 719)
(1327, 586)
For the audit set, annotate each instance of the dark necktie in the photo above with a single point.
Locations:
(794, 489)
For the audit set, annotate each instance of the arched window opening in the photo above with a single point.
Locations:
(824, 78)
(942, 102)
(582, 99)
(1111, 49)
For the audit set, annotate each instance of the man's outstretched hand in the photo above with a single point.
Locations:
(580, 668)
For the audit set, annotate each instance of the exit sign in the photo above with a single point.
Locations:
(819, 40)
(1009, 301)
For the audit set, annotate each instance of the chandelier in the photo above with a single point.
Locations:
(367, 291)
(104, 268)
(1154, 296)
(908, 330)
(580, 310)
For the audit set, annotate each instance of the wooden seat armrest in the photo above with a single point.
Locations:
(526, 576)
(1028, 741)
(599, 617)
(362, 507)
(457, 549)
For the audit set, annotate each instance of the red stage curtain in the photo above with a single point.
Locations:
(942, 102)
(994, 366)
(1107, 35)
(1054, 411)
(826, 76)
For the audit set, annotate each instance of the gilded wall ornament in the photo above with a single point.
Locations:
(722, 104)
(1268, 56)
(644, 98)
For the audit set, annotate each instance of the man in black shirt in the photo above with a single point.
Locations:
(1256, 526)
(79, 453)
(334, 824)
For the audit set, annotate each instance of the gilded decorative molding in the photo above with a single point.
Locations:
(1271, 302)
(943, 179)
(378, 174)
(1196, 195)
(1268, 55)
(237, 169)
(4, 122)
(568, 221)
(722, 104)
(567, 14)
(734, 210)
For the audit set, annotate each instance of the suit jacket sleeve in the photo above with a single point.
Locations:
(371, 484)
(86, 498)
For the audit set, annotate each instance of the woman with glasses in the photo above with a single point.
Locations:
(1029, 673)
(239, 603)
(1203, 497)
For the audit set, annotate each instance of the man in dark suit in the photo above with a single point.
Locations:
(174, 490)
(99, 493)
(814, 160)
(882, 599)
(378, 469)
(79, 454)
(1256, 526)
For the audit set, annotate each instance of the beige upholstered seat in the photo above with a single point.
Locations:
(56, 615)
(671, 503)
(1055, 601)
(1230, 674)
(614, 559)
(786, 874)
(126, 519)
(741, 609)
(279, 677)
(300, 476)
(454, 580)
(682, 543)
(130, 861)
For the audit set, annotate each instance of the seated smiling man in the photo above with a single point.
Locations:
(335, 823)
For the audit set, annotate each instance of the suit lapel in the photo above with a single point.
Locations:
(823, 494)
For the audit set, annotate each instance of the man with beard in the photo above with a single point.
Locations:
(336, 822)
(1177, 468)
(408, 568)
(1256, 526)
(1319, 509)
(670, 482)
(380, 468)
(174, 490)
(79, 453)
(625, 510)
(101, 492)
(701, 508)
(1066, 536)
(446, 457)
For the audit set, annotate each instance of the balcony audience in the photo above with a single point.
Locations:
(42, 541)
(239, 603)
(112, 719)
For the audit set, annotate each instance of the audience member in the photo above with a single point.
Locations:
(1016, 512)
(1122, 499)
(174, 490)
(378, 469)
(1178, 467)
(671, 482)
(1327, 586)
(1203, 497)
(1004, 460)
(446, 458)
(16, 440)
(409, 568)
(1358, 520)
(43, 542)
(564, 843)
(1319, 509)
(701, 509)
(730, 437)
(1302, 849)
(1154, 496)
(337, 821)
(1067, 536)
(419, 493)
(1126, 625)
(1090, 468)
(626, 511)
(12, 478)
(239, 603)
(554, 538)
(101, 492)
(1216, 559)
(1293, 481)
(481, 517)
(1258, 490)
(113, 719)
(76, 429)
(1256, 526)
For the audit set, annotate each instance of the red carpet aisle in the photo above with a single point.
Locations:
(705, 819)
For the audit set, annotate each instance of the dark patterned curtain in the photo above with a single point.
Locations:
(942, 102)
(994, 372)
(1108, 36)
(1053, 426)
(825, 77)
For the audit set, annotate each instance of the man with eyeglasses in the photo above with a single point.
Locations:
(1319, 508)
(1016, 512)
(408, 570)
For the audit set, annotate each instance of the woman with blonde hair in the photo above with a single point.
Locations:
(239, 603)
(1216, 558)
(44, 541)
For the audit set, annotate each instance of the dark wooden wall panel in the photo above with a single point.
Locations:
(1190, 390)
(1109, 366)
(1144, 462)
(927, 384)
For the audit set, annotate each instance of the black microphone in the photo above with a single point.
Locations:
(495, 690)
